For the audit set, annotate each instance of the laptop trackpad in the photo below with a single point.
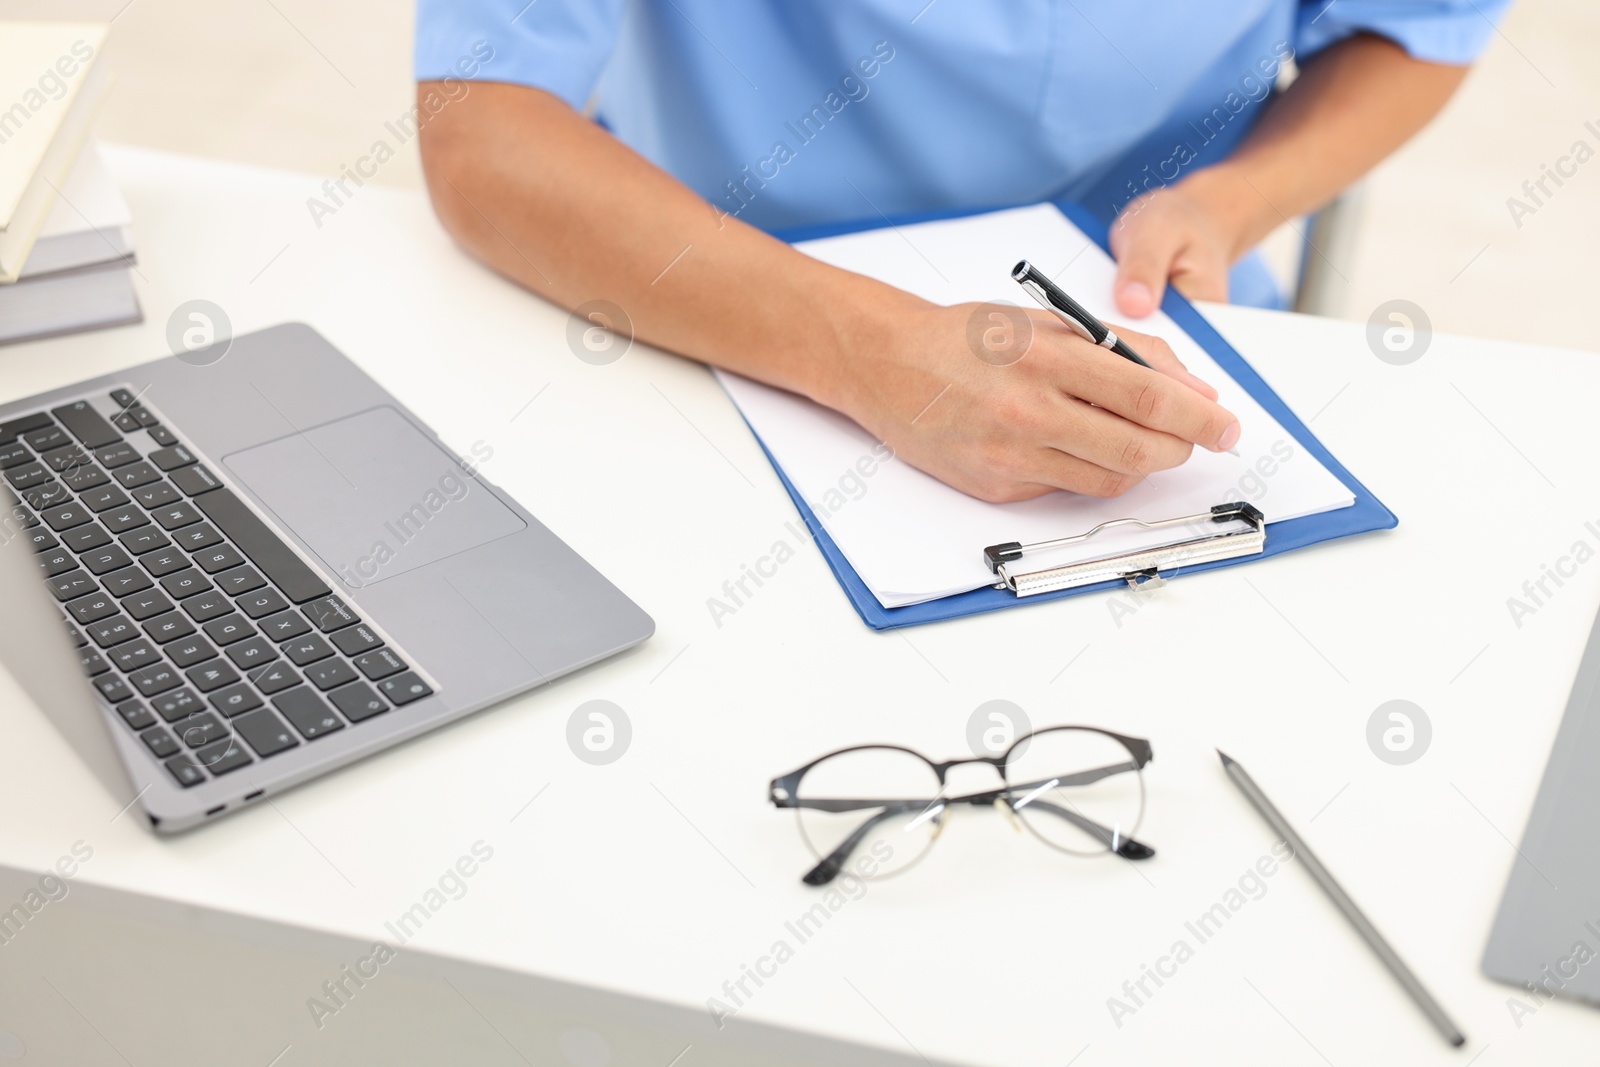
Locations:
(372, 495)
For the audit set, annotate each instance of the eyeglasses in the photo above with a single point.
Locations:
(1078, 789)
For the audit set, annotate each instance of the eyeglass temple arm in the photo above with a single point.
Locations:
(829, 867)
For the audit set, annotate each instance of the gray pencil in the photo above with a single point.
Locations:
(1336, 893)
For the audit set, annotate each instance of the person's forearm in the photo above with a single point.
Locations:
(1350, 107)
(548, 198)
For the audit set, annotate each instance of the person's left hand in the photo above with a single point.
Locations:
(1172, 234)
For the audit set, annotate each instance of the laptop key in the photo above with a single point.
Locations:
(135, 714)
(51, 494)
(46, 438)
(85, 538)
(161, 435)
(240, 580)
(330, 613)
(118, 455)
(154, 496)
(218, 558)
(41, 539)
(354, 640)
(198, 729)
(14, 453)
(284, 625)
(172, 457)
(164, 562)
(266, 549)
(113, 630)
(235, 700)
(228, 629)
(262, 602)
(173, 516)
(28, 475)
(125, 421)
(154, 679)
(86, 424)
(358, 701)
(93, 662)
(330, 674)
(159, 741)
(195, 480)
(124, 398)
(146, 604)
(307, 649)
(107, 559)
(58, 562)
(123, 519)
(64, 518)
(85, 477)
(186, 582)
(178, 704)
(404, 688)
(223, 756)
(252, 652)
(308, 713)
(137, 474)
(72, 584)
(274, 678)
(128, 580)
(92, 608)
(168, 627)
(141, 541)
(265, 732)
(188, 651)
(142, 415)
(184, 769)
(380, 663)
(131, 655)
(104, 498)
(193, 538)
(67, 459)
(113, 688)
(207, 606)
(214, 675)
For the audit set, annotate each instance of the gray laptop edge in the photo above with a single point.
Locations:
(461, 594)
(1546, 938)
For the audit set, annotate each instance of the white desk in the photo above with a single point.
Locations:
(661, 875)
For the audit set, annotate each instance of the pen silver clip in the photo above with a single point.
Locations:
(1037, 292)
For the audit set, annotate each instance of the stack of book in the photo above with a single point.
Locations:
(66, 243)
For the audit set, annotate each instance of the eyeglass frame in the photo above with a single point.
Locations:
(783, 792)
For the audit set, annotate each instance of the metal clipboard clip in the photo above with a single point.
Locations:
(1141, 569)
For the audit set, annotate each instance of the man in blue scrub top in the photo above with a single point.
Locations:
(601, 142)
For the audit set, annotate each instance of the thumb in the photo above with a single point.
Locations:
(1145, 255)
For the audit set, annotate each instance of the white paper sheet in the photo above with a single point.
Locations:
(911, 537)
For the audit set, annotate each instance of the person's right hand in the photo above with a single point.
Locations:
(1067, 414)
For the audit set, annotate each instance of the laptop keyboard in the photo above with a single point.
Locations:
(213, 640)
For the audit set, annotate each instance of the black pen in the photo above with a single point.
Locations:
(1077, 317)
(1074, 314)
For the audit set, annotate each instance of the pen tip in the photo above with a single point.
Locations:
(1458, 1040)
(1233, 452)
(1227, 760)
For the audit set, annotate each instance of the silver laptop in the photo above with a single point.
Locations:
(1546, 938)
(225, 574)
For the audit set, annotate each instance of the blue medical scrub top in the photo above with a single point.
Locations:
(793, 112)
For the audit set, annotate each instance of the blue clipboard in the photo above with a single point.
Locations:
(1367, 513)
